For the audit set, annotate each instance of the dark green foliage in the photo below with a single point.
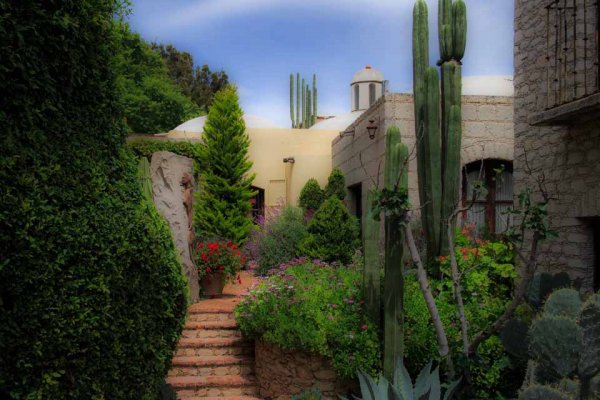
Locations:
(223, 201)
(151, 102)
(92, 298)
(143, 174)
(514, 338)
(280, 241)
(313, 307)
(333, 233)
(336, 185)
(200, 84)
(147, 147)
(311, 195)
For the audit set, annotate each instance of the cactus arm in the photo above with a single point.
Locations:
(432, 156)
(444, 30)
(297, 100)
(459, 29)
(309, 108)
(314, 100)
(303, 104)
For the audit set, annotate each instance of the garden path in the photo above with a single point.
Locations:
(212, 360)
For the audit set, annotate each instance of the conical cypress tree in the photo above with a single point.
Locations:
(223, 201)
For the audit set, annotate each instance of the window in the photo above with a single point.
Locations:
(356, 94)
(488, 213)
(371, 94)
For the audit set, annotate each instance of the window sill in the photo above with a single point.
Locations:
(582, 109)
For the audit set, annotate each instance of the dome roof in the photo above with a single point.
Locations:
(367, 74)
(196, 125)
(490, 85)
(338, 123)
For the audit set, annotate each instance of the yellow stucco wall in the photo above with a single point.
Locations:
(311, 150)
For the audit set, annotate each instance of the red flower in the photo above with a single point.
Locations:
(465, 232)
(364, 327)
(442, 258)
(207, 270)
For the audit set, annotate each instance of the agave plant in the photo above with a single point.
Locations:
(426, 387)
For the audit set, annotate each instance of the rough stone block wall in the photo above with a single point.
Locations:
(282, 374)
(487, 134)
(566, 156)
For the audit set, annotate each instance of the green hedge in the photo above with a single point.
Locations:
(145, 147)
(92, 299)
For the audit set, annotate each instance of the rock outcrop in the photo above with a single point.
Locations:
(167, 170)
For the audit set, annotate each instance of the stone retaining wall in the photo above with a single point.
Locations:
(282, 374)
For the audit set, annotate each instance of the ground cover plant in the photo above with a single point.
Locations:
(92, 298)
(314, 307)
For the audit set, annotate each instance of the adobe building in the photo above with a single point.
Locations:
(557, 127)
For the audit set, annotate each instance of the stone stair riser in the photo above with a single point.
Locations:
(211, 333)
(222, 370)
(214, 351)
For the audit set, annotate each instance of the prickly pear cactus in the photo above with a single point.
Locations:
(589, 320)
(563, 303)
(556, 344)
(543, 393)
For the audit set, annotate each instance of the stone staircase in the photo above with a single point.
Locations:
(212, 360)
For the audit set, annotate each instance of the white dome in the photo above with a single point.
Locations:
(368, 74)
(338, 123)
(196, 125)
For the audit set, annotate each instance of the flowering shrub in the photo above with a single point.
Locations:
(311, 306)
(488, 273)
(214, 257)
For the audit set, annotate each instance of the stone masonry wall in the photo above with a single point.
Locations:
(567, 156)
(487, 134)
(282, 374)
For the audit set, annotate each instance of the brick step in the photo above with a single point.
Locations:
(212, 366)
(212, 308)
(213, 386)
(210, 317)
(202, 347)
(211, 333)
(211, 325)
(211, 361)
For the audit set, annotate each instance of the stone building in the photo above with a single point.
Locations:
(557, 127)
(487, 137)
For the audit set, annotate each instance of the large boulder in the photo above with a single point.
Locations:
(167, 171)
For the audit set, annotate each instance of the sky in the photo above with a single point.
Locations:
(260, 42)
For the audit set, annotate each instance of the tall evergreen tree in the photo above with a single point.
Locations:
(223, 202)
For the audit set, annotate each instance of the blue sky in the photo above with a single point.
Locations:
(259, 42)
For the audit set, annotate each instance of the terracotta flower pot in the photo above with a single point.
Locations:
(213, 284)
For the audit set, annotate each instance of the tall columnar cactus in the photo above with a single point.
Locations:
(439, 138)
(564, 344)
(306, 102)
(395, 176)
(292, 111)
(371, 274)
(314, 100)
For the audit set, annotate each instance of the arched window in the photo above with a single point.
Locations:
(371, 94)
(488, 213)
(356, 94)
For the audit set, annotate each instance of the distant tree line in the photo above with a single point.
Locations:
(158, 85)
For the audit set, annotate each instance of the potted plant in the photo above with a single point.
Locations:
(217, 262)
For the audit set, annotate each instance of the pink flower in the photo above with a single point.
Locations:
(364, 327)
